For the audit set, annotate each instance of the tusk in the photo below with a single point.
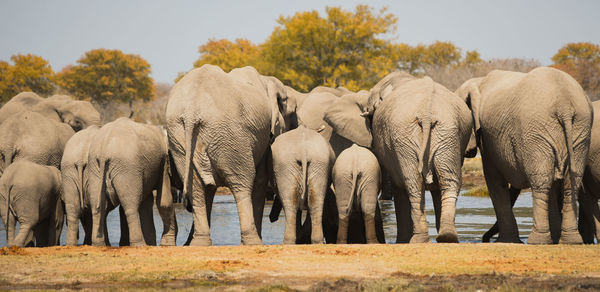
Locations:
(319, 130)
(365, 114)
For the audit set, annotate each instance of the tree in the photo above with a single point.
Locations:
(107, 76)
(28, 73)
(343, 49)
(228, 55)
(441, 54)
(582, 61)
(472, 58)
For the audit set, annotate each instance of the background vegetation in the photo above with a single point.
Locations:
(353, 49)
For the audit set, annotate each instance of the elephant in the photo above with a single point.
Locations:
(589, 213)
(127, 162)
(75, 194)
(302, 162)
(357, 181)
(62, 108)
(299, 97)
(419, 132)
(33, 137)
(36, 206)
(533, 131)
(220, 126)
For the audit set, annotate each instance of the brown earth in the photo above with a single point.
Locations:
(319, 267)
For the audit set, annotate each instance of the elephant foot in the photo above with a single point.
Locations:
(373, 241)
(539, 238)
(420, 238)
(201, 241)
(572, 237)
(140, 243)
(167, 241)
(98, 243)
(251, 240)
(447, 235)
(71, 243)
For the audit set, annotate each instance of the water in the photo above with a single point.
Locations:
(474, 216)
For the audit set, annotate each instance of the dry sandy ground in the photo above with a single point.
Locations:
(318, 267)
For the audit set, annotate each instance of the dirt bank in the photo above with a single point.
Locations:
(321, 267)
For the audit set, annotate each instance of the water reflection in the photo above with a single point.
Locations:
(474, 216)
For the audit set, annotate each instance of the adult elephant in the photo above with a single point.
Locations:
(589, 213)
(533, 131)
(220, 126)
(61, 108)
(419, 132)
(31, 136)
(129, 161)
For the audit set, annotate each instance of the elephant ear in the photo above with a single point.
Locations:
(384, 87)
(345, 117)
(469, 92)
(278, 100)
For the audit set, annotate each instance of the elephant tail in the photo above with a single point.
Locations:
(353, 193)
(568, 128)
(304, 181)
(81, 185)
(8, 190)
(424, 163)
(103, 167)
(190, 129)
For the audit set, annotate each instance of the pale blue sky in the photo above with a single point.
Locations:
(168, 33)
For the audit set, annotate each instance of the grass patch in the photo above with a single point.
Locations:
(480, 191)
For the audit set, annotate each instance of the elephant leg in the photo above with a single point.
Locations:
(569, 233)
(316, 200)
(555, 204)
(25, 235)
(436, 197)
(190, 236)
(170, 229)
(586, 216)
(56, 223)
(416, 196)
(99, 205)
(514, 194)
(404, 223)
(10, 229)
(447, 231)
(259, 193)
(342, 235)
(86, 222)
(201, 227)
(124, 239)
(40, 231)
(500, 195)
(379, 225)
(343, 196)
(73, 226)
(330, 217)
(540, 234)
(291, 218)
(147, 220)
(369, 209)
(128, 187)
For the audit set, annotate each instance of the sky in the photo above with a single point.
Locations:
(168, 33)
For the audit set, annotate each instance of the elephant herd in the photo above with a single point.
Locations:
(328, 154)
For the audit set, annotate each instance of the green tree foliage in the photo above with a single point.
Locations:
(582, 61)
(107, 76)
(342, 49)
(27, 73)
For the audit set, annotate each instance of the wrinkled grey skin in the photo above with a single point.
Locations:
(36, 206)
(302, 162)
(419, 133)
(31, 136)
(589, 213)
(61, 108)
(533, 130)
(127, 162)
(300, 97)
(75, 195)
(220, 126)
(357, 179)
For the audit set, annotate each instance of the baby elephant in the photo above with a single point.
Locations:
(302, 161)
(30, 193)
(356, 179)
